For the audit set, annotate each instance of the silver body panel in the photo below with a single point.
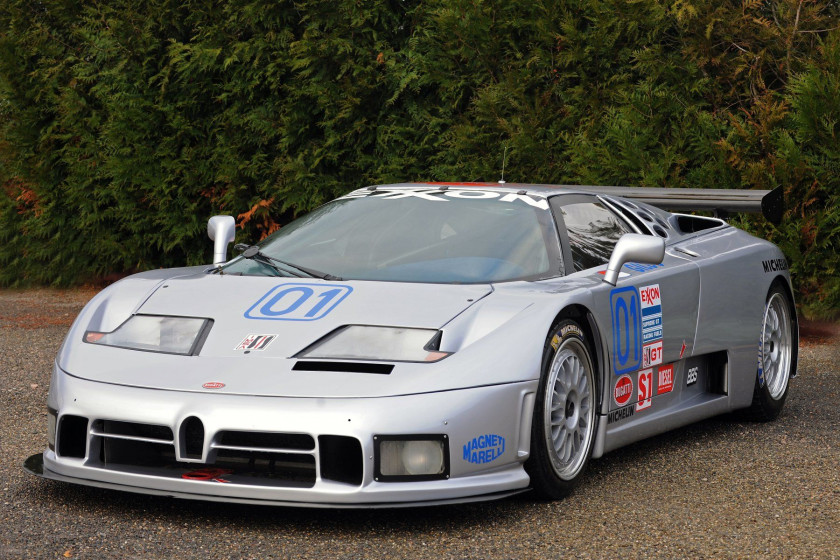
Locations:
(703, 312)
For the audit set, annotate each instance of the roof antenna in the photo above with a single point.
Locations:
(504, 159)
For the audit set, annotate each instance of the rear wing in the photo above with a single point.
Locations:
(721, 201)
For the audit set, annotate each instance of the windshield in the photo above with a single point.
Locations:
(419, 235)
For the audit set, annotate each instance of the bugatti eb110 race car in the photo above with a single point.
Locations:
(419, 344)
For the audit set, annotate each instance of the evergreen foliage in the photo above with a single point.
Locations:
(125, 125)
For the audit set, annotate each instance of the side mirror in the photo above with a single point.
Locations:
(221, 230)
(633, 247)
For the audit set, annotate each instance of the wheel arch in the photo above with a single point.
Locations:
(592, 331)
(784, 283)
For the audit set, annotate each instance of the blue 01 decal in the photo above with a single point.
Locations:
(298, 302)
(626, 314)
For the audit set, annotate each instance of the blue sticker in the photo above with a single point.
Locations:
(298, 302)
(627, 329)
(484, 449)
(640, 267)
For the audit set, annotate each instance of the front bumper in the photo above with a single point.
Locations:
(464, 417)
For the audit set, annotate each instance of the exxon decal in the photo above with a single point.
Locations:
(484, 449)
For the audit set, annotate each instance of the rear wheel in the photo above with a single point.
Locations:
(563, 426)
(777, 353)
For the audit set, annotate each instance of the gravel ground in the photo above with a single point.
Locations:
(720, 488)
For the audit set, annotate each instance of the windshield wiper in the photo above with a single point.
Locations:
(253, 252)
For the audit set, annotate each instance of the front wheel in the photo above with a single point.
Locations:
(777, 353)
(563, 426)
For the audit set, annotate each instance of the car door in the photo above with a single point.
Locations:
(648, 319)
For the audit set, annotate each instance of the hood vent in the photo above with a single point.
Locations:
(344, 367)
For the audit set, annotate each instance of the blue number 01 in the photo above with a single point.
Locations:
(626, 314)
(298, 302)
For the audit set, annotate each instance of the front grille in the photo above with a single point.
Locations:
(115, 428)
(192, 438)
(250, 458)
(265, 440)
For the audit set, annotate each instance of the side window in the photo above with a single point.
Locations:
(593, 232)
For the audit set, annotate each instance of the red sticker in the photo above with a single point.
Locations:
(213, 385)
(665, 379)
(645, 389)
(209, 474)
(623, 390)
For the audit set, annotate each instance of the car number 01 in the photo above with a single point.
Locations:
(298, 302)
(627, 329)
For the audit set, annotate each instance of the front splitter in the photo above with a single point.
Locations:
(35, 465)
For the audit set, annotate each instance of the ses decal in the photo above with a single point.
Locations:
(484, 449)
(623, 391)
(298, 302)
(665, 379)
(438, 195)
(256, 342)
(645, 389)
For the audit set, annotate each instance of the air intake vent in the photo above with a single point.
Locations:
(132, 430)
(348, 367)
(265, 440)
(72, 436)
(192, 438)
(341, 459)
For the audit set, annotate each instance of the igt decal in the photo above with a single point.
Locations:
(645, 389)
(652, 354)
(623, 391)
(665, 379)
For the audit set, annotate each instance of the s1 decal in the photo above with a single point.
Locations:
(627, 329)
(298, 302)
(645, 389)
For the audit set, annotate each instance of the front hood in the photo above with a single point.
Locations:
(296, 312)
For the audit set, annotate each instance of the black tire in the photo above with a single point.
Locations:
(777, 354)
(561, 443)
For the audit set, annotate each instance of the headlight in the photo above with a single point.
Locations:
(411, 457)
(356, 342)
(170, 335)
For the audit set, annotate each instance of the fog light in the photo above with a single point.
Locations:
(51, 418)
(405, 458)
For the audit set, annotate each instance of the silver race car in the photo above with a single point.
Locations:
(420, 344)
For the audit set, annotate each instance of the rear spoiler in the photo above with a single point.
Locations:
(721, 201)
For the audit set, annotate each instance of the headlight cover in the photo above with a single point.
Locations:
(360, 342)
(156, 333)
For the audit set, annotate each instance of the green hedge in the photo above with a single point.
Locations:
(124, 126)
